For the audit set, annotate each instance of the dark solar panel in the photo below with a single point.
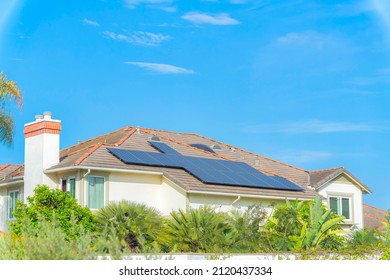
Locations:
(203, 147)
(209, 171)
(164, 148)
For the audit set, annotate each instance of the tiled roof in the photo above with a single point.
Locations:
(374, 217)
(94, 153)
(10, 172)
(320, 177)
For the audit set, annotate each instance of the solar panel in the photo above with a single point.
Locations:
(203, 147)
(164, 148)
(209, 171)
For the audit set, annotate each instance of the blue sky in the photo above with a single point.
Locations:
(304, 82)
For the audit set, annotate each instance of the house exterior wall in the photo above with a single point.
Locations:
(344, 187)
(4, 203)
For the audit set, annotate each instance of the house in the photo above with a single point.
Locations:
(169, 171)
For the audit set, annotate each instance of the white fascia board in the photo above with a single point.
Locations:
(247, 195)
(70, 168)
(12, 183)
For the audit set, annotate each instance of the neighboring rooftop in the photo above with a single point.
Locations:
(374, 217)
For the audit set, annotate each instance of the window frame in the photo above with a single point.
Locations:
(9, 214)
(339, 211)
(67, 180)
(104, 191)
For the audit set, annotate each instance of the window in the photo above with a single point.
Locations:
(13, 198)
(69, 186)
(72, 187)
(341, 206)
(95, 192)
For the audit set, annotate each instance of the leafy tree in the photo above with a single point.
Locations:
(301, 225)
(246, 228)
(320, 225)
(200, 230)
(140, 226)
(8, 92)
(50, 204)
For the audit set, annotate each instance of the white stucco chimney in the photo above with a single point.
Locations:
(42, 150)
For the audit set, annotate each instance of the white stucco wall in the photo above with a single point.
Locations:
(4, 203)
(225, 203)
(151, 189)
(41, 152)
(345, 187)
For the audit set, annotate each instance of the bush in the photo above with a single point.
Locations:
(50, 204)
(139, 225)
(200, 230)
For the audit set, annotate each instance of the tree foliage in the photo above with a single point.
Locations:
(8, 92)
(52, 204)
(140, 226)
(200, 230)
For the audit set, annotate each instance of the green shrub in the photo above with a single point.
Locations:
(49, 204)
(200, 230)
(140, 226)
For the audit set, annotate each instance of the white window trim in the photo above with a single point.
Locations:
(341, 196)
(87, 191)
(68, 184)
(9, 201)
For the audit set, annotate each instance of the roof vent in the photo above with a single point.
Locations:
(232, 149)
(216, 147)
(203, 147)
(155, 138)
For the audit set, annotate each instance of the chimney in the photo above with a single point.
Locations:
(41, 151)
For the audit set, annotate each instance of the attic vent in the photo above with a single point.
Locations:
(232, 149)
(216, 147)
(203, 147)
(155, 138)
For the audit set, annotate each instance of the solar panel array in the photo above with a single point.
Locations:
(162, 147)
(209, 171)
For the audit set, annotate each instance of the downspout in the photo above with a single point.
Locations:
(235, 201)
(85, 187)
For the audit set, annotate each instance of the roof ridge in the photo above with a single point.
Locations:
(91, 139)
(237, 148)
(164, 130)
(131, 131)
(4, 166)
(87, 154)
(77, 151)
(328, 169)
(185, 144)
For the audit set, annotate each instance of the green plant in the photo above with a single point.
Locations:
(364, 239)
(246, 228)
(50, 204)
(140, 226)
(8, 92)
(200, 230)
(320, 226)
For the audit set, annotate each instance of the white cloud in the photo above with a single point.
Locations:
(304, 156)
(381, 76)
(132, 4)
(201, 18)
(382, 7)
(138, 38)
(310, 38)
(162, 68)
(313, 126)
(90, 22)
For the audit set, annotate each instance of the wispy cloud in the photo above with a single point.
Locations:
(304, 156)
(314, 127)
(309, 38)
(162, 68)
(132, 4)
(218, 19)
(90, 22)
(381, 76)
(382, 7)
(138, 38)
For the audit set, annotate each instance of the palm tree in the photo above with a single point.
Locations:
(140, 226)
(8, 92)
